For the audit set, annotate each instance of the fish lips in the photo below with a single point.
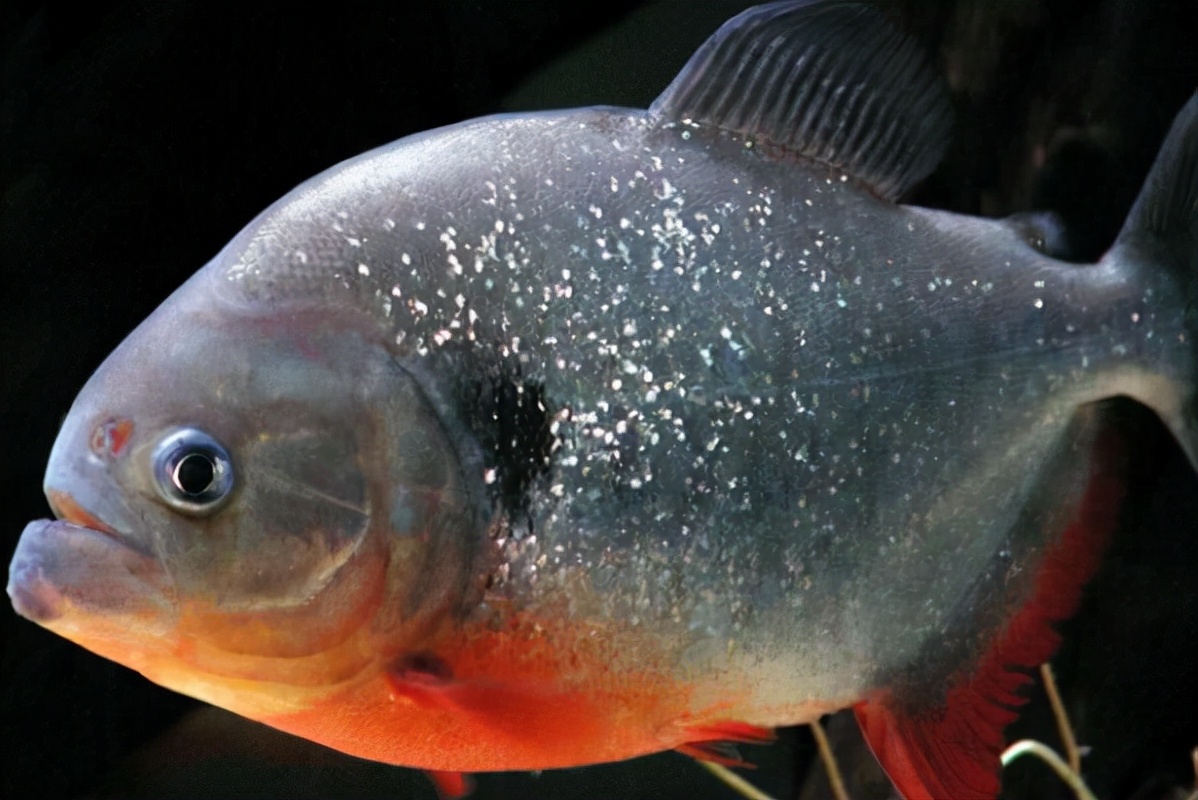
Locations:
(65, 575)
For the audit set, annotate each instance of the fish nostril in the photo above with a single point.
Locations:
(109, 438)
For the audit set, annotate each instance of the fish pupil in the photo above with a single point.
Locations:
(194, 474)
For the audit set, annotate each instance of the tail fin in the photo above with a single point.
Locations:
(1161, 238)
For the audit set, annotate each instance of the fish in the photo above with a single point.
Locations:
(554, 439)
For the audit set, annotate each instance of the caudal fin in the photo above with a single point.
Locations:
(1160, 241)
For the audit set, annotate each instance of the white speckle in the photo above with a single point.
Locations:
(1038, 303)
(406, 259)
(725, 332)
(1135, 317)
(499, 226)
(419, 226)
(353, 241)
(389, 224)
(489, 475)
(301, 256)
(617, 385)
(814, 286)
(363, 269)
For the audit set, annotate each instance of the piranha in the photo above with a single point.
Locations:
(560, 438)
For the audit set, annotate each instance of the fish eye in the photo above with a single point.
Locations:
(192, 472)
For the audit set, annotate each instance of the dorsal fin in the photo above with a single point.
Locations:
(832, 82)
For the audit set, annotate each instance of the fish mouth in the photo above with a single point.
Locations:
(67, 509)
(77, 567)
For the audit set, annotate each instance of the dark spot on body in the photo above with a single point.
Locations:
(511, 418)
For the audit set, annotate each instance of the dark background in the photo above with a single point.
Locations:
(138, 137)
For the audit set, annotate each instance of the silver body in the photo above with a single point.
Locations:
(794, 429)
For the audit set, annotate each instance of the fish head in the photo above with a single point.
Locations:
(254, 503)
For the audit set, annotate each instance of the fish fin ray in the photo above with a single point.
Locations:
(1167, 207)
(716, 742)
(722, 753)
(1161, 236)
(520, 711)
(829, 82)
(450, 785)
(952, 748)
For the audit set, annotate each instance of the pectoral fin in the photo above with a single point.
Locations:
(525, 712)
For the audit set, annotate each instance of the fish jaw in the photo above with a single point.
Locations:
(92, 586)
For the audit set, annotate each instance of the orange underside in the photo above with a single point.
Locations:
(520, 697)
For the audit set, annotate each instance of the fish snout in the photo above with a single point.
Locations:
(33, 597)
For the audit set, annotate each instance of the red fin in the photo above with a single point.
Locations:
(713, 742)
(520, 711)
(953, 751)
(450, 785)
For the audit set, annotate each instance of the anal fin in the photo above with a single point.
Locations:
(952, 749)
